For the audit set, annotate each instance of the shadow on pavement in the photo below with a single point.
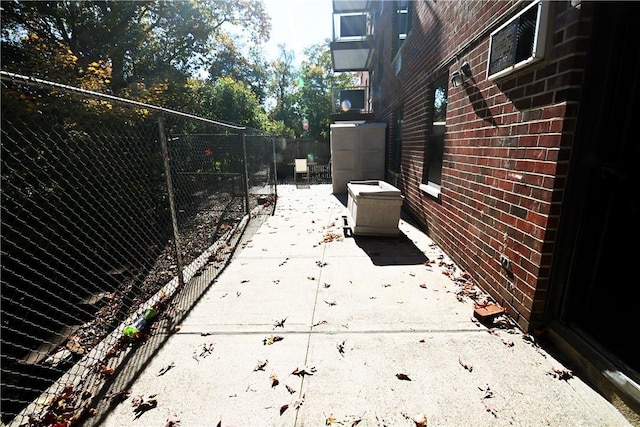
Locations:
(395, 250)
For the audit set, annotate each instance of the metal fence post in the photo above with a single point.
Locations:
(172, 203)
(275, 166)
(246, 172)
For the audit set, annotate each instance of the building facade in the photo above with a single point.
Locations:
(509, 131)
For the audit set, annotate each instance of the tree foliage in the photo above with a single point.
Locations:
(232, 101)
(143, 41)
(283, 90)
(186, 55)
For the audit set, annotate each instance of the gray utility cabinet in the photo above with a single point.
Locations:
(357, 153)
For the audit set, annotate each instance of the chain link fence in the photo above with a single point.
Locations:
(112, 212)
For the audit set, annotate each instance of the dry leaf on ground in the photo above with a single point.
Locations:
(298, 403)
(165, 369)
(420, 421)
(261, 365)
(143, 406)
(172, 420)
(272, 339)
(465, 365)
(307, 370)
(274, 380)
(561, 374)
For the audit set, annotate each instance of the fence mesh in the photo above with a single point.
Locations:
(108, 207)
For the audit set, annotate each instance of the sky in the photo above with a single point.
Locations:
(298, 24)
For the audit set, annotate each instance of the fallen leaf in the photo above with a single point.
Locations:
(207, 349)
(298, 403)
(403, 377)
(172, 420)
(166, 368)
(465, 366)
(261, 365)
(340, 347)
(106, 371)
(423, 285)
(137, 400)
(489, 407)
(290, 389)
(274, 380)
(145, 406)
(330, 420)
(304, 371)
(331, 303)
(487, 393)
(272, 339)
(561, 374)
(279, 323)
(284, 408)
(75, 347)
(354, 422)
(420, 421)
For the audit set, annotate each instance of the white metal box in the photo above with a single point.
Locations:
(357, 153)
(374, 207)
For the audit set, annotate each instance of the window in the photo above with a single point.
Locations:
(353, 25)
(396, 146)
(432, 175)
(402, 24)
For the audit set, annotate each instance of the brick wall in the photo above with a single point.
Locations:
(507, 142)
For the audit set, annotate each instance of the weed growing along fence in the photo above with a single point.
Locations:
(108, 206)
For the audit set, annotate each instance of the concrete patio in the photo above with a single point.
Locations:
(308, 328)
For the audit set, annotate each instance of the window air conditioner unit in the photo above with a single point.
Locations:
(520, 41)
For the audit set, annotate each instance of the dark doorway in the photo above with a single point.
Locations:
(599, 244)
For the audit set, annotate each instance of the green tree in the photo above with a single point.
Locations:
(283, 87)
(142, 41)
(252, 69)
(315, 91)
(232, 101)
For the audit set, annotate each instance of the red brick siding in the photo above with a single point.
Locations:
(507, 142)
